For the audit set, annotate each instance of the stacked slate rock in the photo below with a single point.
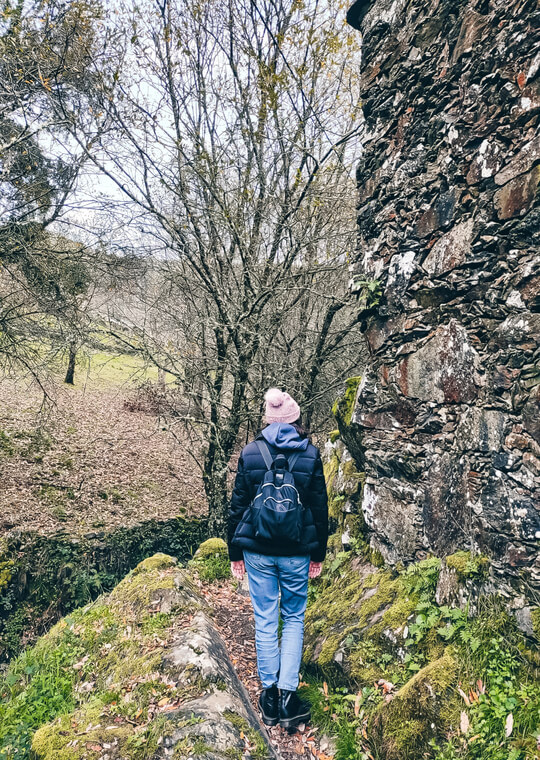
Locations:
(448, 272)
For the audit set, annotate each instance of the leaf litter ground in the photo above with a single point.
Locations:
(86, 463)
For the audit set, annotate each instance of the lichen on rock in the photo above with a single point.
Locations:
(446, 420)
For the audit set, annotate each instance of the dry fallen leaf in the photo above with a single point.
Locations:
(465, 697)
(464, 722)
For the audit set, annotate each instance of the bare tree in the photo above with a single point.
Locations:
(45, 49)
(234, 131)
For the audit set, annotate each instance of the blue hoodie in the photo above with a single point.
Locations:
(284, 436)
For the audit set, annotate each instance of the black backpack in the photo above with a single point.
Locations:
(276, 510)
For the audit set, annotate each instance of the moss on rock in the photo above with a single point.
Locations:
(467, 565)
(210, 548)
(384, 638)
(157, 562)
(118, 678)
(535, 617)
(137, 590)
(343, 408)
(354, 527)
(357, 607)
(331, 467)
(94, 674)
(211, 560)
(423, 709)
(49, 742)
(344, 484)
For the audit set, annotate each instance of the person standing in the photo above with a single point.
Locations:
(277, 533)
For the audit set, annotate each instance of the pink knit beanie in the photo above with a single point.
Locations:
(280, 407)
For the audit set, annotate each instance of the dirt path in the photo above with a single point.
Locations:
(234, 619)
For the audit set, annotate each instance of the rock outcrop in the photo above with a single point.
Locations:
(446, 420)
(141, 672)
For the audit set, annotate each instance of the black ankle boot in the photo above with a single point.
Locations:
(269, 705)
(292, 710)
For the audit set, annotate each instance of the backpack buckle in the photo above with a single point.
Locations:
(280, 462)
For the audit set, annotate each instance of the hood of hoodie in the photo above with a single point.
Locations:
(284, 436)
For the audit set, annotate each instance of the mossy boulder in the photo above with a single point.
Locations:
(425, 708)
(362, 607)
(213, 547)
(159, 561)
(211, 560)
(133, 675)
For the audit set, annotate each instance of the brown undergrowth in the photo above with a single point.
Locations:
(85, 463)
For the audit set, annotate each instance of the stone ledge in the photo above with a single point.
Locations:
(144, 673)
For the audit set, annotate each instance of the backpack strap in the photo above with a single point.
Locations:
(293, 460)
(265, 453)
(267, 456)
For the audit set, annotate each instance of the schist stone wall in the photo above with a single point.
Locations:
(446, 420)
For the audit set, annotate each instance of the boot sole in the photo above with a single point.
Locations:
(293, 722)
(266, 720)
(269, 721)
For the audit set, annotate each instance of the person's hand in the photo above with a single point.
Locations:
(238, 569)
(315, 569)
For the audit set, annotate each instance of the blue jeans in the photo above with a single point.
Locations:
(268, 576)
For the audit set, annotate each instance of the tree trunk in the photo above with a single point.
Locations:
(215, 486)
(71, 363)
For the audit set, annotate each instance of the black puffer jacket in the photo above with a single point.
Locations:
(309, 480)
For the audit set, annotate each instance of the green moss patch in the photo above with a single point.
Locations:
(344, 484)
(210, 548)
(535, 615)
(467, 565)
(258, 748)
(357, 608)
(343, 408)
(424, 708)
